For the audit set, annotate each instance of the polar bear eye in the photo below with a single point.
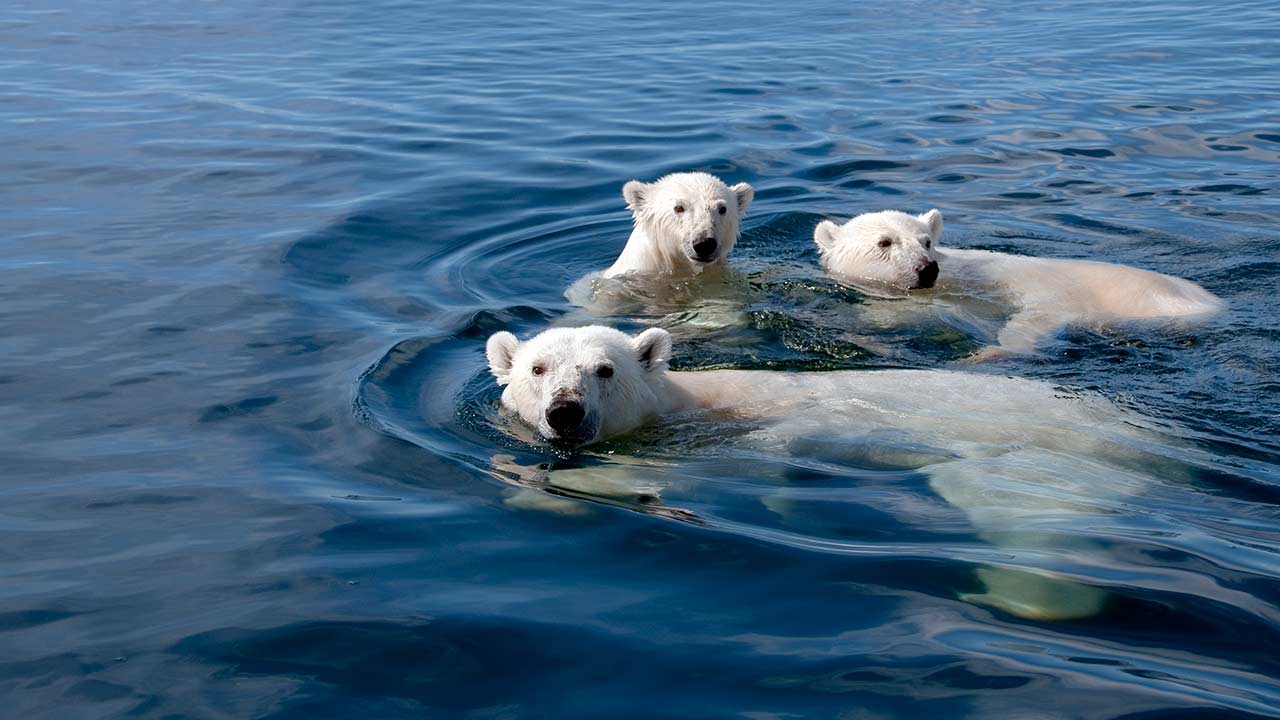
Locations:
(723, 209)
(679, 209)
(928, 244)
(885, 242)
(538, 369)
(604, 371)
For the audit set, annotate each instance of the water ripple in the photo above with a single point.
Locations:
(254, 466)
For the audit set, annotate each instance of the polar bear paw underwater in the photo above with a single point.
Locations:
(994, 441)
(901, 250)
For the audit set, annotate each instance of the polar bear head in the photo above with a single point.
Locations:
(692, 218)
(889, 246)
(579, 385)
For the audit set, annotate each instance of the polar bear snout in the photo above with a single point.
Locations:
(704, 250)
(564, 417)
(926, 275)
(565, 420)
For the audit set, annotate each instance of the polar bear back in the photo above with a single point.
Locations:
(1082, 289)
(968, 413)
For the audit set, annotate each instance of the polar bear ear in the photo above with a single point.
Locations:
(933, 219)
(501, 350)
(653, 348)
(825, 234)
(745, 194)
(633, 192)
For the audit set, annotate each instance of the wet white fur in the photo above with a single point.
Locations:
(853, 250)
(637, 392)
(662, 239)
(1002, 449)
(962, 406)
(1048, 293)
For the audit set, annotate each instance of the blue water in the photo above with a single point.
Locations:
(251, 252)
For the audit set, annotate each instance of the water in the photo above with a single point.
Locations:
(252, 466)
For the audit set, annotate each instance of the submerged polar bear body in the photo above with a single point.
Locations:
(1052, 293)
(1003, 450)
(896, 248)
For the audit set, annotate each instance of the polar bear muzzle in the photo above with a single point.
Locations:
(704, 250)
(565, 419)
(926, 275)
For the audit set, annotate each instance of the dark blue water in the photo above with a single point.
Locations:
(251, 251)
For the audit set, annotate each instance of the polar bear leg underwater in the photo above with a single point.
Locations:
(902, 250)
(581, 385)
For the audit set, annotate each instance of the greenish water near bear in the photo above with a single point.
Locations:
(252, 461)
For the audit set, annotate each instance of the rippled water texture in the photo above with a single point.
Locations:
(252, 465)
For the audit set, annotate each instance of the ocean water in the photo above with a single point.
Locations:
(252, 466)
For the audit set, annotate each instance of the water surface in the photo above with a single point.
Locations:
(251, 252)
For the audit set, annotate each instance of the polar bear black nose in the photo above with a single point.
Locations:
(565, 416)
(927, 275)
(705, 248)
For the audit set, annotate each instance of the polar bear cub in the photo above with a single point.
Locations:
(901, 250)
(1002, 449)
(684, 223)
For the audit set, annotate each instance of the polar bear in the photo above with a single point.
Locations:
(1004, 450)
(684, 227)
(684, 224)
(901, 250)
